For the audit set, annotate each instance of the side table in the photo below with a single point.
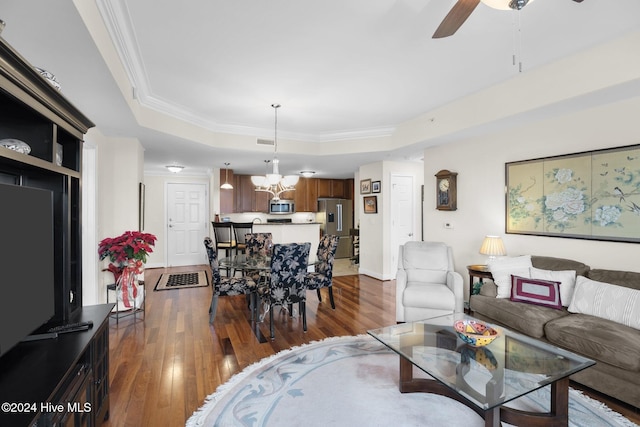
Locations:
(480, 271)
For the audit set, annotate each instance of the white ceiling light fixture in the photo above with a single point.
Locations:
(273, 182)
(507, 4)
(307, 174)
(175, 168)
(226, 185)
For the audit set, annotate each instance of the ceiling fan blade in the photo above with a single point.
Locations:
(455, 18)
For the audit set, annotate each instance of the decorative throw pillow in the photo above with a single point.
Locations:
(535, 291)
(502, 268)
(567, 279)
(607, 301)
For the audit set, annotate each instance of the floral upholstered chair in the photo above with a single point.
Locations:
(288, 271)
(323, 276)
(258, 244)
(227, 285)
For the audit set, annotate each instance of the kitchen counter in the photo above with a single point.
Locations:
(293, 232)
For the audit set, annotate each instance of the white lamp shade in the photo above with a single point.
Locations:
(226, 186)
(291, 180)
(259, 181)
(493, 246)
(274, 178)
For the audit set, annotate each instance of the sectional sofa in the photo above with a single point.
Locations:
(600, 322)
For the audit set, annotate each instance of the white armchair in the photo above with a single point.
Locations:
(426, 283)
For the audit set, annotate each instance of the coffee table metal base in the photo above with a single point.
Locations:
(557, 416)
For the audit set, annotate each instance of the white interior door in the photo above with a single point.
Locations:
(402, 214)
(187, 224)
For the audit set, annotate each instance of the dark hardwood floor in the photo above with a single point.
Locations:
(163, 367)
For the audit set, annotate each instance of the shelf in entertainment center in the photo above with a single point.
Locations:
(25, 159)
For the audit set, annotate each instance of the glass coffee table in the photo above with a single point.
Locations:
(483, 378)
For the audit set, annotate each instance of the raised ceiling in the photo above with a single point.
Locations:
(194, 81)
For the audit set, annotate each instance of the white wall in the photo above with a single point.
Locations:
(119, 168)
(375, 229)
(480, 163)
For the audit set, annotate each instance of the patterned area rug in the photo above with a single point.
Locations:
(192, 279)
(353, 381)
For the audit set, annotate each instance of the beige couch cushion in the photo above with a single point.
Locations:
(525, 318)
(596, 338)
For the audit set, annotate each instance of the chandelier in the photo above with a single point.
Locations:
(273, 182)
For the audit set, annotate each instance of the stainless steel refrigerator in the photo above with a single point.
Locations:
(336, 217)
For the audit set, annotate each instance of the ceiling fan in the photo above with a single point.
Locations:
(463, 8)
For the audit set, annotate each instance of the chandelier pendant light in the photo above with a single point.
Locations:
(226, 185)
(273, 182)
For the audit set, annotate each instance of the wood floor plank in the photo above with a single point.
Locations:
(163, 366)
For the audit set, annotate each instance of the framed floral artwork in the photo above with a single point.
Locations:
(365, 186)
(589, 195)
(370, 204)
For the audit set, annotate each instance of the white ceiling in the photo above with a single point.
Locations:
(343, 70)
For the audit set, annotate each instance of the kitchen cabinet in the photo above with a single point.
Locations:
(306, 195)
(245, 197)
(331, 188)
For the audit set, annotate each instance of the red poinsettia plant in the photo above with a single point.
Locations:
(129, 246)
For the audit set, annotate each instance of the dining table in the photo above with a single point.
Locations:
(262, 265)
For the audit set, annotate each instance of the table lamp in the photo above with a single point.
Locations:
(492, 246)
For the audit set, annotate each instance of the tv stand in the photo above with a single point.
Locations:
(61, 381)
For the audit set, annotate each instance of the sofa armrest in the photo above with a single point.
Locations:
(456, 284)
(401, 284)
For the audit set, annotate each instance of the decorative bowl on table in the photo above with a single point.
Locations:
(474, 332)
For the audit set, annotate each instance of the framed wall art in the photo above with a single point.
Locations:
(375, 187)
(370, 204)
(590, 195)
(141, 207)
(365, 186)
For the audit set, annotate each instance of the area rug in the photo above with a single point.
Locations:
(353, 381)
(191, 279)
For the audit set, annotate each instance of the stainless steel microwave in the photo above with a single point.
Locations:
(282, 207)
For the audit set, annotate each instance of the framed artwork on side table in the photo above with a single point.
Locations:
(365, 186)
(370, 204)
(375, 187)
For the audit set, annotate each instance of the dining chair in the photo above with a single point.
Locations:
(288, 270)
(227, 285)
(258, 244)
(224, 238)
(240, 230)
(322, 277)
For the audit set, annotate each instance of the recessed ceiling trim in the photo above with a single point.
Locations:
(117, 20)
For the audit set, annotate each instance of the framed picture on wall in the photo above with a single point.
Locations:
(141, 201)
(365, 186)
(370, 204)
(375, 187)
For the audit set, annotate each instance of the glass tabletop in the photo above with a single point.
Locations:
(511, 366)
(247, 262)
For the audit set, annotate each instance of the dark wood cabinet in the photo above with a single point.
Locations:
(306, 195)
(61, 380)
(335, 188)
(244, 198)
(65, 378)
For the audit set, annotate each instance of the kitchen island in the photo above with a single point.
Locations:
(293, 232)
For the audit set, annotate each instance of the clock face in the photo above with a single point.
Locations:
(444, 185)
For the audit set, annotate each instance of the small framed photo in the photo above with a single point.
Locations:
(375, 187)
(365, 186)
(370, 204)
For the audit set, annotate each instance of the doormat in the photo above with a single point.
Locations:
(192, 279)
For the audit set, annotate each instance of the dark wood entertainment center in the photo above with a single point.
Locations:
(63, 380)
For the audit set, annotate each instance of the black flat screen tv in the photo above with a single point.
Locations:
(27, 284)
